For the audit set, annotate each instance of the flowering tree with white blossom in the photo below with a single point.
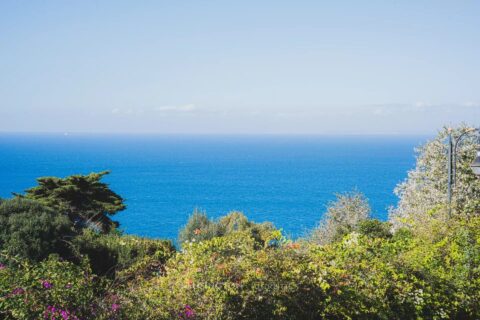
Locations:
(423, 194)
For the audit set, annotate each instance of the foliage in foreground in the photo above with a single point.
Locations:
(58, 289)
(112, 253)
(411, 275)
(430, 271)
(32, 231)
(51, 289)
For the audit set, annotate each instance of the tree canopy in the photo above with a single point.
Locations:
(343, 216)
(423, 194)
(86, 200)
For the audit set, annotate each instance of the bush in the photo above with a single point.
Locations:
(111, 253)
(32, 231)
(229, 278)
(367, 274)
(342, 217)
(199, 228)
(236, 221)
(448, 258)
(375, 228)
(51, 289)
(412, 275)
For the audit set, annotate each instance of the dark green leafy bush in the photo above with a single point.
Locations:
(32, 231)
(375, 228)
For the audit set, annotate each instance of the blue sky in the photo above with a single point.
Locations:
(338, 67)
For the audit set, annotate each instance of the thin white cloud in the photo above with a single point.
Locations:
(129, 111)
(419, 107)
(381, 111)
(180, 108)
(472, 104)
(422, 105)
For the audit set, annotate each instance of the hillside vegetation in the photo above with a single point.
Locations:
(62, 256)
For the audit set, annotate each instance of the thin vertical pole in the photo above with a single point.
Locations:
(450, 154)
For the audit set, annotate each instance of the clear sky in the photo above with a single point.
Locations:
(334, 67)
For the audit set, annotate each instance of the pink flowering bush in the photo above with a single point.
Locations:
(53, 312)
(52, 289)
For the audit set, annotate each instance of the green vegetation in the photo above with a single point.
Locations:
(342, 217)
(199, 228)
(31, 230)
(84, 199)
(422, 264)
(113, 253)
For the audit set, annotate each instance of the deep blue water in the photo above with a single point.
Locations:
(284, 179)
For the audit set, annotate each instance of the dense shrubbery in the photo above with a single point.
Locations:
(230, 278)
(32, 231)
(113, 252)
(420, 265)
(199, 227)
(51, 289)
(429, 272)
(60, 289)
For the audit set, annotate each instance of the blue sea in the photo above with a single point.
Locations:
(288, 180)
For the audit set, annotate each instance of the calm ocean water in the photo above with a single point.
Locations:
(284, 179)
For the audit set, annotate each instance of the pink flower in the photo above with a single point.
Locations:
(18, 291)
(55, 313)
(64, 314)
(115, 307)
(2, 266)
(46, 284)
(188, 313)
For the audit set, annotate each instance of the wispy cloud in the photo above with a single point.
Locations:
(471, 104)
(420, 107)
(180, 108)
(128, 111)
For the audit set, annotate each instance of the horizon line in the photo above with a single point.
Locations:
(133, 133)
